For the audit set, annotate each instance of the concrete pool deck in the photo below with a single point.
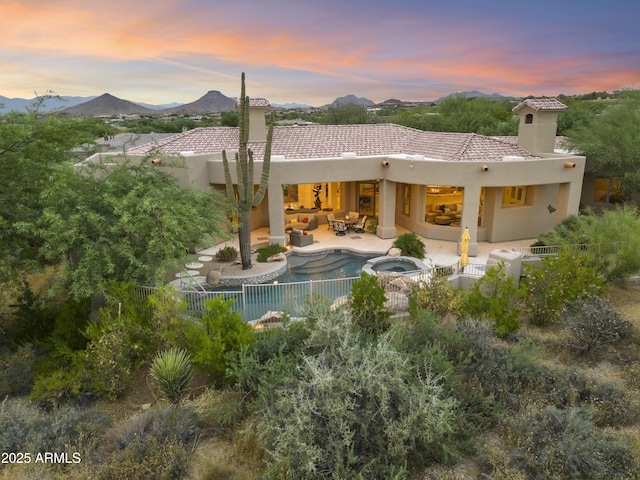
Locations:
(440, 253)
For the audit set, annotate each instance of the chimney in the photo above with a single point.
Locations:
(257, 124)
(538, 124)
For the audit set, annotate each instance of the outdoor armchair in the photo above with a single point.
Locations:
(359, 227)
(340, 227)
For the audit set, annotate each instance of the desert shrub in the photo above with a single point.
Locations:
(438, 296)
(212, 339)
(272, 249)
(564, 444)
(410, 245)
(612, 238)
(227, 254)
(356, 409)
(610, 403)
(171, 372)
(614, 235)
(219, 411)
(16, 370)
(560, 279)
(593, 323)
(502, 370)
(570, 231)
(26, 428)
(33, 320)
(367, 304)
(495, 297)
(152, 444)
(120, 338)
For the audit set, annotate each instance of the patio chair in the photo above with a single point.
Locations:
(359, 227)
(299, 239)
(354, 215)
(340, 227)
(331, 219)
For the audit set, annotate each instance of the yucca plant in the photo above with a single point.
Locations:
(171, 373)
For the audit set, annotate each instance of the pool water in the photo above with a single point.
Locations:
(324, 266)
(395, 266)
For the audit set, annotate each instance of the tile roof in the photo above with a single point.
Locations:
(327, 141)
(544, 104)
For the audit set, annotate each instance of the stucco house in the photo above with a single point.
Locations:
(432, 183)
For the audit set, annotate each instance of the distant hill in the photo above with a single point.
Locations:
(347, 99)
(212, 101)
(290, 105)
(163, 106)
(106, 105)
(21, 104)
(473, 94)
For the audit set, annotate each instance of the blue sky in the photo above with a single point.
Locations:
(313, 52)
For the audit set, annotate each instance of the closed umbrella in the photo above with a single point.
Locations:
(464, 248)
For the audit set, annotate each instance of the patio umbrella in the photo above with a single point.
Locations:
(464, 248)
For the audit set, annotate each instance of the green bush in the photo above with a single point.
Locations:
(410, 245)
(367, 304)
(356, 409)
(564, 444)
(266, 252)
(16, 371)
(438, 296)
(611, 237)
(227, 254)
(211, 340)
(120, 338)
(499, 369)
(560, 279)
(494, 296)
(171, 372)
(593, 323)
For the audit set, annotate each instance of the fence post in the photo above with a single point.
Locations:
(244, 303)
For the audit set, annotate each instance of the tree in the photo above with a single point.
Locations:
(34, 149)
(123, 221)
(246, 198)
(347, 114)
(611, 142)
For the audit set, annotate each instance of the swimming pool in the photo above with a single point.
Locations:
(323, 266)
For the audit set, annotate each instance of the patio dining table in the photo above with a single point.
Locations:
(349, 222)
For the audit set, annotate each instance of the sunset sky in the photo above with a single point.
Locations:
(312, 52)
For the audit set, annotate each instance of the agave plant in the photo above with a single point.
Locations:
(171, 373)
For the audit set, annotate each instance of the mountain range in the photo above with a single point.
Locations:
(213, 101)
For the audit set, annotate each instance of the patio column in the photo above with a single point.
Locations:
(387, 210)
(276, 214)
(470, 212)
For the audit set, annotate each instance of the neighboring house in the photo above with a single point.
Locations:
(434, 184)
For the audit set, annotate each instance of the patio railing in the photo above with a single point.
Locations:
(254, 301)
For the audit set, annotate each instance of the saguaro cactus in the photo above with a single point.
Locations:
(246, 197)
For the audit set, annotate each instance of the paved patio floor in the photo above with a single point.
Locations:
(441, 253)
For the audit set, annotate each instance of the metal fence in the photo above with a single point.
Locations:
(254, 301)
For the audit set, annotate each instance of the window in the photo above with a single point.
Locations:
(406, 199)
(514, 196)
(528, 118)
(323, 196)
(608, 191)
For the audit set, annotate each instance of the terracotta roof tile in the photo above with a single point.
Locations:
(544, 104)
(327, 141)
